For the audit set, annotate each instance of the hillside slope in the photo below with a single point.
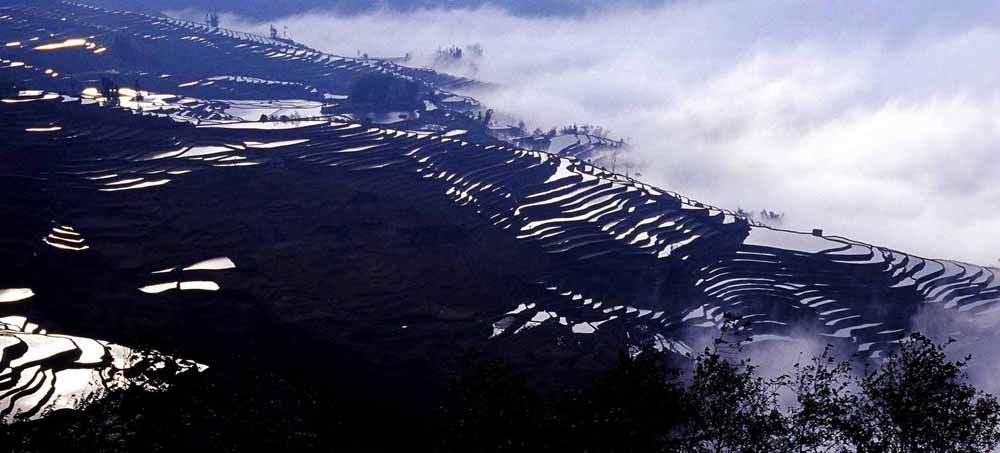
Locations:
(169, 222)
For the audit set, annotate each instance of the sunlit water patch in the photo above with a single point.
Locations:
(45, 372)
(64, 237)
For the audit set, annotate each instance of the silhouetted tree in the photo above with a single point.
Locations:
(253, 411)
(491, 408)
(384, 90)
(920, 402)
(820, 420)
(109, 90)
(730, 409)
(916, 401)
(633, 407)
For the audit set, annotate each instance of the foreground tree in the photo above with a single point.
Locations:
(820, 419)
(730, 408)
(915, 401)
(491, 408)
(920, 402)
(632, 407)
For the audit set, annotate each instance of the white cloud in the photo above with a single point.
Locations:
(873, 120)
(976, 335)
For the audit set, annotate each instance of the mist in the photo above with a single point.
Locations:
(864, 119)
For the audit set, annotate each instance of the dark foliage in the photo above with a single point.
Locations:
(201, 413)
(916, 401)
(490, 408)
(729, 407)
(630, 408)
(383, 90)
(919, 401)
(821, 419)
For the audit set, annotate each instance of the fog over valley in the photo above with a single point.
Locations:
(842, 116)
(499, 226)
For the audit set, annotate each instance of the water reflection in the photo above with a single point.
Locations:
(75, 42)
(15, 294)
(43, 129)
(44, 372)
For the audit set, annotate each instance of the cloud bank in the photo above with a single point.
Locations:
(872, 120)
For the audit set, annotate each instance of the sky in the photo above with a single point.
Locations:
(876, 120)
(269, 9)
